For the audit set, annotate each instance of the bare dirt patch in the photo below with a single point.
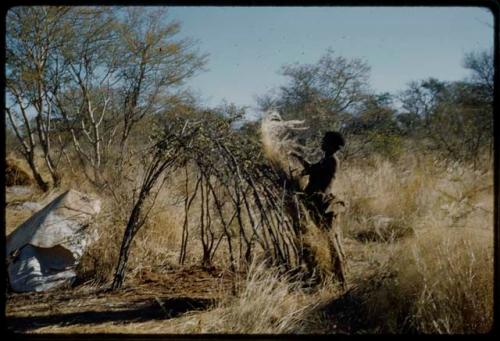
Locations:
(153, 296)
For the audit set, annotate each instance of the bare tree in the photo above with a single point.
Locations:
(457, 116)
(321, 92)
(422, 97)
(154, 62)
(33, 75)
(92, 61)
(121, 64)
(483, 71)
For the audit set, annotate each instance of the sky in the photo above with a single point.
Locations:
(248, 45)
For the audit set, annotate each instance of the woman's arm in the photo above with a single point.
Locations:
(303, 161)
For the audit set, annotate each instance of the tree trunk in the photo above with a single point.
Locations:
(56, 178)
(125, 248)
(42, 184)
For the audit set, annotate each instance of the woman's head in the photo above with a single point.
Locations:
(332, 142)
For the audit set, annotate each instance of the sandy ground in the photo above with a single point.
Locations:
(156, 296)
(150, 301)
(148, 297)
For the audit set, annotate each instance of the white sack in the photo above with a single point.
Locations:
(48, 246)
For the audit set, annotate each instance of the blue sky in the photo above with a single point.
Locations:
(247, 45)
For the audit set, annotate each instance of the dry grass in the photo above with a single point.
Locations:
(267, 304)
(156, 245)
(16, 173)
(315, 240)
(434, 272)
(418, 242)
(394, 199)
(439, 282)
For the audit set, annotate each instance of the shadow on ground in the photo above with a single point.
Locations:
(346, 315)
(351, 313)
(151, 309)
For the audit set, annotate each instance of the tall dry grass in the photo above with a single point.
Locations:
(266, 303)
(428, 226)
(415, 192)
(428, 268)
(418, 234)
(440, 282)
